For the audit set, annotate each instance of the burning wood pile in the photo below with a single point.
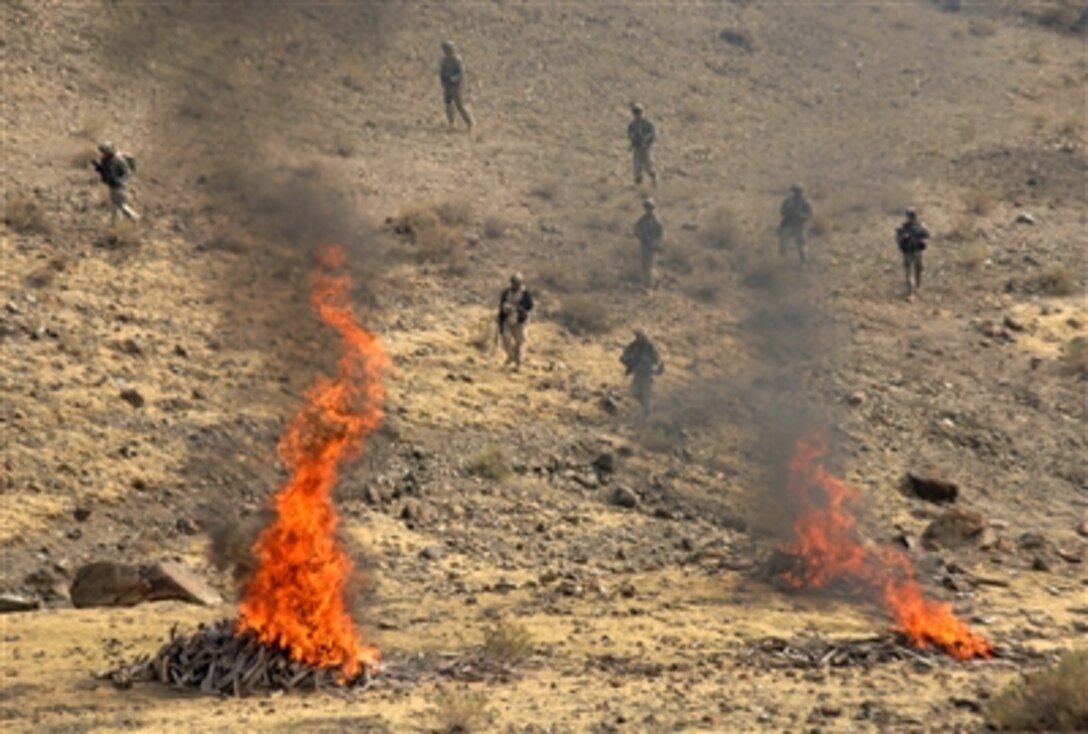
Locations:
(217, 661)
(828, 553)
(294, 629)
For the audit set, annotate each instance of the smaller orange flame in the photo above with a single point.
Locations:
(295, 599)
(829, 552)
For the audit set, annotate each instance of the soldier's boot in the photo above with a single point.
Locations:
(917, 273)
(653, 177)
(466, 116)
(129, 212)
(449, 114)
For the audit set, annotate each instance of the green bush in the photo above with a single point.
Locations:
(508, 643)
(491, 463)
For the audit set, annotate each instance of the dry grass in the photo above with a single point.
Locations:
(659, 437)
(482, 336)
(491, 462)
(558, 278)
(979, 202)
(84, 157)
(455, 212)
(1059, 280)
(25, 215)
(508, 643)
(693, 110)
(460, 711)
(720, 229)
(1052, 699)
(585, 315)
(822, 223)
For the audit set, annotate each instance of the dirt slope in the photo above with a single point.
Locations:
(259, 135)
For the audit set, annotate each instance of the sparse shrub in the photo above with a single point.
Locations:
(483, 335)
(606, 220)
(721, 230)
(659, 437)
(91, 127)
(494, 228)
(122, 235)
(84, 157)
(547, 189)
(491, 463)
(460, 711)
(25, 216)
(1075, 356)
(974, 255)
(1073, 127)
(821, 224)
(230, 238)
(343, 145)
(455, 212)
(705, 286)
(585, 315)
(1049, 700)
(435, 240)
(693, 110)
(1058, 281)
(560, 279)
(980, 28)
(979, 202)
(353, 77)
(508, 643)
(762, 274)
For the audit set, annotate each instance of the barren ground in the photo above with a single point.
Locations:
(258, 134)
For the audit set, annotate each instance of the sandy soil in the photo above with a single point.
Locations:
(259, 136)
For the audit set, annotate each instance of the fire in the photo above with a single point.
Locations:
(829, 552)
(295, 599)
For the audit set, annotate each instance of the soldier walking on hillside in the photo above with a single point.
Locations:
(115, 169)
(452, 74)
(515, 303)
(641, 134)
(911, 237)
(651, 234)
(642, 360)
(796, 211)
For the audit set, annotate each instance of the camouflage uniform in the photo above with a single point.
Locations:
(115, 169)
(911, 237)
(641, 133)
(796, 211)
(642, 359)
(452, 74)
(515, 303)
(651, 234)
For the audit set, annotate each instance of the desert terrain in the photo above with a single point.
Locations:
(514, 579)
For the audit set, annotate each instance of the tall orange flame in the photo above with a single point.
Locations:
(295, 599)
(829, 551)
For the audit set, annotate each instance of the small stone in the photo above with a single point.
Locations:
(605, 463)
(953, 529)
(623, 497)
(81, 514)
(180, 351)
(15, 603)
(133, 347)
(1040, 563)
(856, 398)
(609, 405)
(432, 553)
(1025, 218)
(1012, 324)
(132, 397)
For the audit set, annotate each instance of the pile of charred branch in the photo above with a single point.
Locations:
(814, 652)
(217, 661)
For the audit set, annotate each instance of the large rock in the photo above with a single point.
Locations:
(109, 584)
(16, 603)
(953, 529)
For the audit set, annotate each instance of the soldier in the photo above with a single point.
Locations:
(651, 235)
(796, 211)
(115, 169)
(515, 303)
(641, 134)
(642, 359)
(452, 74)
(911, 237)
